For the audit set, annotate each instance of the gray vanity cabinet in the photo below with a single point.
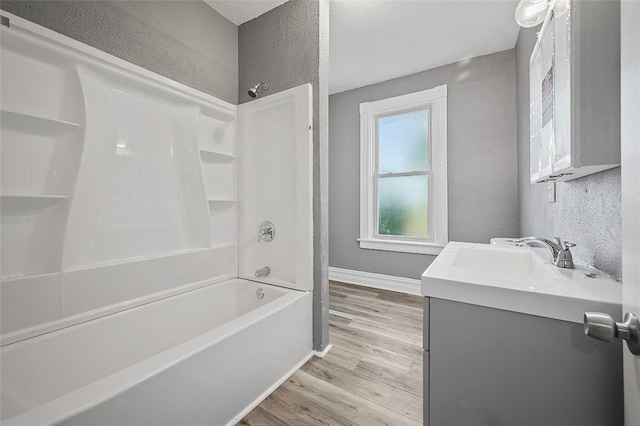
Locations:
(425, 360)
(485, 366)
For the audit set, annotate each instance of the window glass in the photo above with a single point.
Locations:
(402, 206)
(403, 142)
(403, 173)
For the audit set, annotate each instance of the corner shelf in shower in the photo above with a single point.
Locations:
(208, 156)
(220, 201)
(35, 125)
(217, 133)
(13, 205)
(220, 175)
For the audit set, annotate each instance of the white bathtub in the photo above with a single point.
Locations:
(203, 357)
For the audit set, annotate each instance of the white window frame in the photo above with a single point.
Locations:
(436, 101)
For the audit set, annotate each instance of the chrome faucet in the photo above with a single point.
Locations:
(263, 272)
(560, 252)
(267, 232)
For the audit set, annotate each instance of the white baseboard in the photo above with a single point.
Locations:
(324, 352)
(368, 279)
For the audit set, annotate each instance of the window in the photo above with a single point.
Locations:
(403, 173)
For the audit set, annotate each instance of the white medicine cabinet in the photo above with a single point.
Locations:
(575, 91)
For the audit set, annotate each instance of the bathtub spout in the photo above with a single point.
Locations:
(264, 272)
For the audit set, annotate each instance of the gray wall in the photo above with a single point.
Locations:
(286, 47)
(587, 211)
(186, 41)
(482, 182)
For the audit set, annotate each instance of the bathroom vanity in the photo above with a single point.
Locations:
(504, 341)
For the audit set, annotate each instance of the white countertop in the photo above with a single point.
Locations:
(526, 282)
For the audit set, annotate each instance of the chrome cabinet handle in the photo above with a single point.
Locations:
(602, 327)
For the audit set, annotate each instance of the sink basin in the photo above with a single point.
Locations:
(519, 279)
(515, 262)
(518, 262)
(509, 265)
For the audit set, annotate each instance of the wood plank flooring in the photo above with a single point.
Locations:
(371, 376)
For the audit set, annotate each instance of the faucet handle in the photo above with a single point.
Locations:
(267, 231)
(565, 245)
(565, 258)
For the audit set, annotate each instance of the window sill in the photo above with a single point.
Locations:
(400, 246)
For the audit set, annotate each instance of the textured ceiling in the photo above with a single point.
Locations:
(376, 40)
(241, 11)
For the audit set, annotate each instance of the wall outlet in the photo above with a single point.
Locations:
(552, 192)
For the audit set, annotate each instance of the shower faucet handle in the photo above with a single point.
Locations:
(267, 232)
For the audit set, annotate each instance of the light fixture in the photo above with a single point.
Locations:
(530, 13)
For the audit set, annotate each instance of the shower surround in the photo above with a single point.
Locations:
(122, 188)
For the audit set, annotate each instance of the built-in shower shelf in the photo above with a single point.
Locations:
(29, 276)
(35, 125)
(220, 201)
(12, 205)
(216, 157)
(134, 259)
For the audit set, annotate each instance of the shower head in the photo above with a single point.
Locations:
(253, 92)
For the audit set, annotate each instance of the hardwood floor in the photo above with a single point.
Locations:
(371, 376)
